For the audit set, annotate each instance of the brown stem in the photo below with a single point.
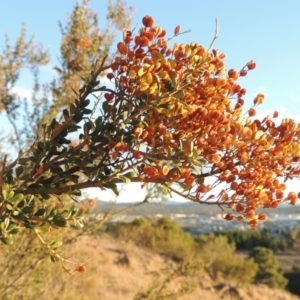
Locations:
(2, 174)
(82, 185)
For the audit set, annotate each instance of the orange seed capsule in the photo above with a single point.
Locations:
(148, 21)
(177, 30)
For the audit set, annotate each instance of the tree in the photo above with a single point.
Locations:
(13, 60)
(83, 43)
(225, 264)
(293, 278)
(170, 116)
(269, 272)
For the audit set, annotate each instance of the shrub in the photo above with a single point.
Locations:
(222, 262)
(269, 271)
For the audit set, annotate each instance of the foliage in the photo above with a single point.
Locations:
(223, 262)
(293, 278)
(269, 272)
(248, 239)
(163, 235)
(83, 43)
(211, 254)
(295, 238)
(18, 270)
(23, 55)
(171, 116)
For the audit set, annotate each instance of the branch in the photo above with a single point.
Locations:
(2, 174)
(104, 89)
(83, 185)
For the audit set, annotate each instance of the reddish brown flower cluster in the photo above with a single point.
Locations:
(184, 111)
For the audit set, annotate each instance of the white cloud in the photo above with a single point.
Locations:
(22, 92)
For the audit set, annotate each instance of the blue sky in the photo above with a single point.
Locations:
(267, 31)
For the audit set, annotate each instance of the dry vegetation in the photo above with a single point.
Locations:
(120, 270)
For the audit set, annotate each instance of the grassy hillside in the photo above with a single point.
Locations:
(116, 268)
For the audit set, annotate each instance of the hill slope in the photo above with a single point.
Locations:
(119, 270)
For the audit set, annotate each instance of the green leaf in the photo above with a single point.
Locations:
(45, 197)
(60, 223)
(98, 121)
(74, 128)
(76, 192)
(116, 192)
(17, 197)
(28, 224)
(5, 194)
(87, 111)
(40, 146)
(33, 159)
(10, 195)
(199, 180)
(110, 185)
(72, 108)
(55, 244)
(153, 104)
(54, 258)
(8, 240)
(86, 103)
(66, 114)
(74, 178)
(185, 187)
(19, 170)
(173, 75)
(40, 212)
(14, 231)
(9, 206)
(21, 204)
(77, 116)
(158, 83)
(125, 114)
(166, 106)
(124, 179)
(11, 226)
(75, 227)
(5, 223)
(179, 94)
(27, 210)
(43, 228)
(169, 86)
(75, 211)
(57, 170)
(105, 106)
(128, 176)
(52, 213)
(200, 162)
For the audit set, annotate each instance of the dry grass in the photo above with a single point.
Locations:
(108, 278)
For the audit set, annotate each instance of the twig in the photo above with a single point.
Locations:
(215, 36)
(122, 211)
(17, 135)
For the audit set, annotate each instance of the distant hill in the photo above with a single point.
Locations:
(188, 207)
